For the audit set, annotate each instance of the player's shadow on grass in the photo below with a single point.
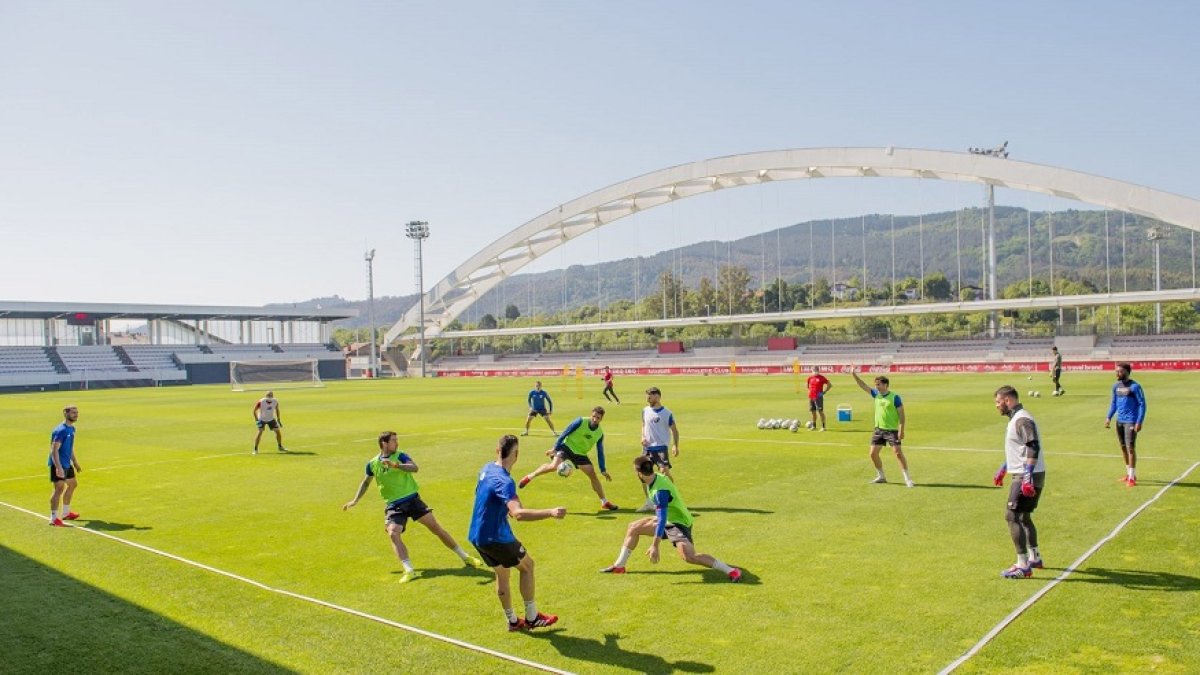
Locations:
(703, 576)
(604, 515)
(484, 577)
(956, 486)
(609, 653)
(107, 526)
(1136, 579)
(727, 509)
(295, 453)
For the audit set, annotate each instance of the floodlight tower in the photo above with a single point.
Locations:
(1001, 152)
(1156, 236)
(369, 257)
(418, 231)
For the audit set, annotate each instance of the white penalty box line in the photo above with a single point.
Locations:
(329, 605)
(1004, 623)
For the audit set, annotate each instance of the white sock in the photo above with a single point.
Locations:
(461, 553)
(1128, 470)
(623, 557)
(67, 507)
(906, 476)
(880, 472)
(53, 514)
(510, 615)
(530, 610)
(1034, 554)
(407, 565)
(1022, 560)
(721, 567)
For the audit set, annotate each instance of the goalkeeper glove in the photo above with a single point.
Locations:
(1027, 488)
(998, 479)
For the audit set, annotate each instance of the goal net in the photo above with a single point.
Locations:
(279, 374)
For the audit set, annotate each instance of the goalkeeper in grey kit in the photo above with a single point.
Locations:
(266, 416)
(1023, 459)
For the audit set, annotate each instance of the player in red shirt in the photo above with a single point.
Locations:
(608, 388)
(818, 386)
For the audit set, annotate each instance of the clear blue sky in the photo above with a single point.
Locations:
(248, 152)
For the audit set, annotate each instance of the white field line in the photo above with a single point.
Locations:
(1065, 573)
(111, 467)
(305, 598)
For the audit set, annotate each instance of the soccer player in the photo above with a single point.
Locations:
(266, 415)
(658, 429)
(495, 500)
(608, 386)
(1129, 405)
(63, 466)
(1023, 459)
(672, 521)
(573, 445)
(818, 386)
(889, 425)
(1056, 371)
(393, 472)
(539, 404)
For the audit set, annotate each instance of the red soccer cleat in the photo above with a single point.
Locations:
(524, 482)
(1125, 480)
(71, 516)
(514, 626)
(1131, 482)
(57, 522)
(613, 569)
(542, 621)
(735, 575)
(609, 506)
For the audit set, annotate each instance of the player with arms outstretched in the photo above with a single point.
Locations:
(889, 425)
(573, 445)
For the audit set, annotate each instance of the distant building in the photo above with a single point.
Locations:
(844, 292)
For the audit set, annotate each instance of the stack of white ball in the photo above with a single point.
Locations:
(792, 425)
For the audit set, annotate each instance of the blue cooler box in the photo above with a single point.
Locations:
(845, 413)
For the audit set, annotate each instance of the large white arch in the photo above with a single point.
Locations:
(503, 257)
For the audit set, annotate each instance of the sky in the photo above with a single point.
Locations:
(250, 152)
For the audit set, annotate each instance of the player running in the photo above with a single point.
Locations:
(393, 472)
(889, 425)
(818, 386)
(608, 386)
(1023, 459)
(671, 521)
(495, 500)
(539, 405)
(266, 415)
(1129, 405)
(573, 445)
(63, 466)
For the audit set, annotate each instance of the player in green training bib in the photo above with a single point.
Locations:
(672, 521)
(889, 425)
(393, 471)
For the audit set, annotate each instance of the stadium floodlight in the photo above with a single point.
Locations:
(1155, 236)
(1001, 152)
(418, 231)
(369, 256)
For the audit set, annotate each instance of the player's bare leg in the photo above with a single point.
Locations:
(257, 438)
(549, 424)
(878, 464)
(822, 414)
(597, 486)
(642, 527)
(903, 464)
(431, 523)
(548, 467)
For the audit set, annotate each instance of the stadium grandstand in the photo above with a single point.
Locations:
(46, 346)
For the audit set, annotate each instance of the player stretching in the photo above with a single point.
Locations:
(672, 521)
(266, 414)
(495, 500)
(1129, 405)
(889, 425)
(1023, 459)
(63, 467)
(393, 471)
(818, 386)
(573, 445)
(539, 404)
(608, 387)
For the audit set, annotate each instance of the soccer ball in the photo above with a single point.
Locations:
(1037, 394)
(762, 423)
(1030, 377)
(1031, 392)
(1054, 393)
(566, 468)
(794, 428)
(808, 424)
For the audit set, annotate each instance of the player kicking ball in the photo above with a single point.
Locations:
(672, 521)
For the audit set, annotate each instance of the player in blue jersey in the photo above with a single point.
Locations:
(495, 501)
(539, 405)
(1129, 405)
(672, 522)
(63, 466)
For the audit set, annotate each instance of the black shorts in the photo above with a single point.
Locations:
(1127, 435)
(535, 413)
(1057, 373)
(501, 555)
(886, 437)
(659, 456)
(68, 472)
(816, 404)
(578, 460)
(1019, 502)
(270, 424)
(400, 512)
(678, 534)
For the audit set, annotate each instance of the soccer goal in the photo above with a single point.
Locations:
(278, 374)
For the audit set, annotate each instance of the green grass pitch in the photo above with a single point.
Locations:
(841, 576)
